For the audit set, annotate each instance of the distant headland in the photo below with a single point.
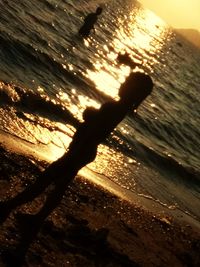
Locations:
(191, 35)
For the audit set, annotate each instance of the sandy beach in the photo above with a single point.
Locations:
(93, 226)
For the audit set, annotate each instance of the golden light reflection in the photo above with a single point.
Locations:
(153, 105)
(40, 89)
(86, 42)
(107, 77)
(108, 162)
(63, 96)
(77, 102)
(146, 34)
(88, 102)
(114, 165)
(142, 34)
(105, 82)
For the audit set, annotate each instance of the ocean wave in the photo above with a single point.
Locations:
(25, 100)
(167, 165)
(28, 56)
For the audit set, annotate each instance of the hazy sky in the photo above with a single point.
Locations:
(177, 13)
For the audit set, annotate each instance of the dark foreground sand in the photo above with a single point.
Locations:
(92, 227)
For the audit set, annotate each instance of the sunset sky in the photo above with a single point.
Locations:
(177, 13)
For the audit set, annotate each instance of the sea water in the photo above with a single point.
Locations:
(49, 75)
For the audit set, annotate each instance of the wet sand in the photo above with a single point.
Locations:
(93, 226)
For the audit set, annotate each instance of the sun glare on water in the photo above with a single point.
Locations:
(141, 34)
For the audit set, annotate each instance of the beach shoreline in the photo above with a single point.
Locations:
(46, 154)
(94, 226)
